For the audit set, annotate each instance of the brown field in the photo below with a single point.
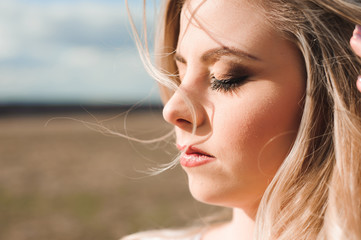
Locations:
(65, 181)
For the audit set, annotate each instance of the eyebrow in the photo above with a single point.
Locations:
(216, 53)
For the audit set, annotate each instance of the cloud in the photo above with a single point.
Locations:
(69, 51)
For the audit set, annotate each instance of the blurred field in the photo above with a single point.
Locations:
(65, 181)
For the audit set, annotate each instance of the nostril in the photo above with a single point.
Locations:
(184, 124)
(183, 121)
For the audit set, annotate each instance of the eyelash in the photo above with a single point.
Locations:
(227, 85)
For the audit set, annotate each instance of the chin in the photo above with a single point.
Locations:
(219, 195)
(203, 191)
(209, 193)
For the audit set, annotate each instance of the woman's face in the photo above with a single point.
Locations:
(246, 84)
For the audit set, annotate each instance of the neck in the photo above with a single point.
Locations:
(240, 227)
(242, 224)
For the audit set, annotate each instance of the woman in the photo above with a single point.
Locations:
(266, 114)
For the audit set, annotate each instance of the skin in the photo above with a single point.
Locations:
(248, 130)
(356, 46)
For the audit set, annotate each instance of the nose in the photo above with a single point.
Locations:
(183, 111)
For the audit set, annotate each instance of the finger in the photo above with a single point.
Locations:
(358, 84)
(356, 40)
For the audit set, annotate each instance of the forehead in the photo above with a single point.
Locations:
(225, 22)
(217, 9)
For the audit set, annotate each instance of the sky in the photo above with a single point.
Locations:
(71, 51)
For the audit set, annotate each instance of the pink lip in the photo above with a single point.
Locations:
(193, 157)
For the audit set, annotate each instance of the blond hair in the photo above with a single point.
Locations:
(316, 193)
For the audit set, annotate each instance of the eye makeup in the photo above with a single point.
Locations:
(227, 85)
(225, 75)
(235, 75)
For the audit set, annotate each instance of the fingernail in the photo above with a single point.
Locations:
(358, 28)
(357, 32)
(358, 83)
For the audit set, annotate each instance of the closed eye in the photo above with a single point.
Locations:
(229, 84)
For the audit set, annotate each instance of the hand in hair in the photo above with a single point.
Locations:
(356, 46)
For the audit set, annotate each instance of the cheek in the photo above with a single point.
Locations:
(259, 130)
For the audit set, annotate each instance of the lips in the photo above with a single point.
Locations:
(194, 157)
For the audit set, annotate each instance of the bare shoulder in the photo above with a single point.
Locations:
(184, 234)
